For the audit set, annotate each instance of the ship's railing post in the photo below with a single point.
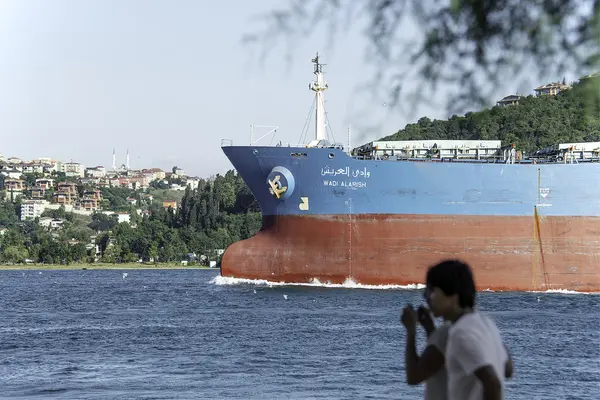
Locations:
(272, 130)
(226, 142)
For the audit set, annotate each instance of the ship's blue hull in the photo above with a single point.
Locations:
(329, 182)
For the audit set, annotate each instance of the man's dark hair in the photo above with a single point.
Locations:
(453, 277)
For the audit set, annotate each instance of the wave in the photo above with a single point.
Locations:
(561, 291)
(348, 284)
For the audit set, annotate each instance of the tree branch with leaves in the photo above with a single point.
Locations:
(472, 46)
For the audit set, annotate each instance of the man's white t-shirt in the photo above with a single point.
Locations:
(436, 387)
(474, 341)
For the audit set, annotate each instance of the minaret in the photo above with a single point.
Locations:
(114, 167)
(127, 161)
(319, 86)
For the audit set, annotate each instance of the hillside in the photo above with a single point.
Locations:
(571, 116)
(222, 210)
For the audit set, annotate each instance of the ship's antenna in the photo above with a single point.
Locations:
(319, 86)
(349, 137)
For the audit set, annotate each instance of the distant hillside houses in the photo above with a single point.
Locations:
(549, 89)
(510, 100)
(46, 184)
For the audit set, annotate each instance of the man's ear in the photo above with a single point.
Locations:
(455, 300)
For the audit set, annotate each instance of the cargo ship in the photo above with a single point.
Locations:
(382, 213)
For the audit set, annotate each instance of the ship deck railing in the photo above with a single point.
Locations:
(229, 142)
(490, 160)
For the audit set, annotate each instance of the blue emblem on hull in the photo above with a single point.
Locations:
(281, 183)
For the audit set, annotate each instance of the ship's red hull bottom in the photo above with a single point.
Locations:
(506, 253)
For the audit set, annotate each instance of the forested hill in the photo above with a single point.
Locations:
(571, 116)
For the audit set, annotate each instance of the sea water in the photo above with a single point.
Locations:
(189, 334)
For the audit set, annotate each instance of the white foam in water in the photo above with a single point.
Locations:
(348, 284)
(561, 291)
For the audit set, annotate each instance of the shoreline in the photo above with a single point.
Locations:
(81, 266)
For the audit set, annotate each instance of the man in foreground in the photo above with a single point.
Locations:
(476, 360)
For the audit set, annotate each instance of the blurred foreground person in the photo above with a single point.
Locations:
(477, 362)
(465, 358)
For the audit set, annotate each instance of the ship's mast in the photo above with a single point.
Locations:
(319, 86)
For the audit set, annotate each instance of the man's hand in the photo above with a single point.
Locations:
(409, 318)
(425, 319)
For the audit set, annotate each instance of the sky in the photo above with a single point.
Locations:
(168, 80)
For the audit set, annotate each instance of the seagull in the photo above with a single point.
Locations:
(285, 296)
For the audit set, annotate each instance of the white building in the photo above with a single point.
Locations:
(48, 164)
(32, 167)
(121, 216)
(31, 209)
(14, 160)
(11, 173)
(179, 172)
(95, 172)
(51, 223)
(193, 182)
(72, 169)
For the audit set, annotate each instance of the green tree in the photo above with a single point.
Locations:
(159, 184)
(53, 251)
(59, 213)
(102, 242)
(58, 176)
(102, 222)
(112, 253)
(134, 217)
(14, 254)
(8, 214)
(78, 252)
(153, 252)
(30, 178)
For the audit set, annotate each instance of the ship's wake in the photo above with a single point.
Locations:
(561, 291)
(348, 284)
(549, 291)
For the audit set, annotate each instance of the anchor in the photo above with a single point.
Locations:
(276, 189)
